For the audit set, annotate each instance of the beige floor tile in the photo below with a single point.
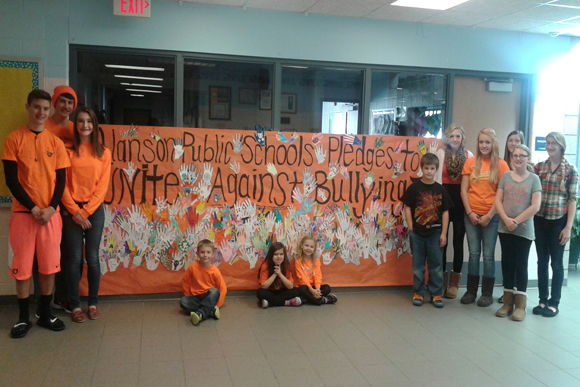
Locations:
(288, 361)
(366, 356)
(220, 380)
(161, 373)
(165, 352)
(556, 378)
(328, 359)
(113, 374)
(303, 377)
(335, 376)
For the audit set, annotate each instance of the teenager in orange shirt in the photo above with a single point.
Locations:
(84, 218)
(309, 275)
(64, 101)
(481, 176)
(204, 288)
(35, 163)
(276, 281)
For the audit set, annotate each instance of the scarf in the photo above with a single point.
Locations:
(454, 166)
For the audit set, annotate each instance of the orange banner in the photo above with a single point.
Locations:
(171, 187)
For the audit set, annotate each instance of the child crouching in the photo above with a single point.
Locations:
(204, 288)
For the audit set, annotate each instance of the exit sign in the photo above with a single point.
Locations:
(134, 8)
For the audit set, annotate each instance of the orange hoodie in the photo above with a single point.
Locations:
(308, 275)
(87, 180)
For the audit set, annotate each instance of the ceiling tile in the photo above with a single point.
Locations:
(561, 28)
(352, 8)
(458, 18)
(573, 3)
(512, 23)
(281, 5)
(407, 14)
(548, 13)
(495, 7)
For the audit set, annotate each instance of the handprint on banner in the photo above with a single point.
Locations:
(421, 147)
(188, 174)
(434, 146)
(333, 170)
(320, 153)
(161, 203)
(293, 138)
(397, 169)
(316, 138)
(369, 179)
(178, 146)
(154, 135)
(344, 172)
(130, 170)
(235, 166)
(326, 259)
(260, 136)
(272, 169)
(281, 137)
(398, 147)
(133, 131)
(237, 143)
(217, 196)
(207, 173)
(321, 194)
(226, 250)
(307, 206)
(379, 142)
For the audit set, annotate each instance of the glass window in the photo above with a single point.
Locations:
(407, 104)
(127, 89)
(320, 99)
(227, 95)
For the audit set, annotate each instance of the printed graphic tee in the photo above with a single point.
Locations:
(517, 197)
(428, 202)
(481, 191)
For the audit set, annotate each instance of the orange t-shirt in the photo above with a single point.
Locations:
(66, 134)
(308, 275)
(38, 156)
(264, 277)
(87, 180)
(198, 280)
(481, 192)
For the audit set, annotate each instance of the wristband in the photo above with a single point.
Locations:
(470, 212)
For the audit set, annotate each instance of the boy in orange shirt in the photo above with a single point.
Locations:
(64, 100)
(35, 163)
(204, 288)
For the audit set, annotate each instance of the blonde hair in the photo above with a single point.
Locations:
(560, 140)
(494, 166)
(300, 253)
(450, 130)
(528, 153)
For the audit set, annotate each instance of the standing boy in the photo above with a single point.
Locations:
(35, 163)
(204, 288)
(427, 206)
(64, 101)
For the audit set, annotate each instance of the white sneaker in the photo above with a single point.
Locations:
(264, 304)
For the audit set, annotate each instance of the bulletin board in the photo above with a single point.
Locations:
(17, 79)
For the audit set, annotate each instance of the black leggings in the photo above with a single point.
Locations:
(305, 293)
(277, 297)
(456, 216)
(515, 251)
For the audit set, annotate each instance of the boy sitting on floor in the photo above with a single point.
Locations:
(204, 288)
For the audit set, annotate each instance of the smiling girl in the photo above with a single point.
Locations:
(309, 276)
(275, 278)
(87, 182)
(481, 176)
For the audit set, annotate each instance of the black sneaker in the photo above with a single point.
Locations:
(331, 299)
(51, 323)
(215, 313)
(20, 329)
(61, 306)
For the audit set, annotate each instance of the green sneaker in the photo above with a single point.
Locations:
(195, 318)
(417, 299)
(215, 313)
(437, 301)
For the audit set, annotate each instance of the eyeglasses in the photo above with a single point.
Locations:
(517, 157)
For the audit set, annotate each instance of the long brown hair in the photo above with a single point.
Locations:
(95, 141)
(494, 166)
(314, 257)
(507, 156)
(270, 260)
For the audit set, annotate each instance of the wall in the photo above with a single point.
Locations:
(45, 28)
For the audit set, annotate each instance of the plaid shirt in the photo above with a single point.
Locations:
(554, 199)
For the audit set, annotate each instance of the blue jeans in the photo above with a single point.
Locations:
(73, 237)
(548, 247)
(203, 303)
(426, 249)
(481, 239)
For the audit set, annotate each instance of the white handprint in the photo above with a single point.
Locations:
(178, 146)
(369, 180)
(433, 146)
(272, 169)
(326, 258)
(320, 153)
(321, 194)
(130, 171)
(237, 143)
(207, 173)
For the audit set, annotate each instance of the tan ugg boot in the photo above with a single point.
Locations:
(521, 301)
(508, 304)
(454, 280)
(445, 282)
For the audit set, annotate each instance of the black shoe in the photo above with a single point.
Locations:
(37, 313)
(20, 329)
(539, 310)
(52, 323)
(500, 300)
(549, 312)
(331, 299)
(61, 306)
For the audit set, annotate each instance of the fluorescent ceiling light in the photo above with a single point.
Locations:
(295, 67)
(144, 91)
(138, 84)
(429, 4)
(133, 77)
(111, 66)
(137, 95)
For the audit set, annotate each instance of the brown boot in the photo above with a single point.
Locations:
(508, 304)
(445, 282)
(521, 301)
(454, 280)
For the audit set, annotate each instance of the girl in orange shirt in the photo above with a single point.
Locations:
(481, 176)
(276, 282)
(309, 276)
(86, 185)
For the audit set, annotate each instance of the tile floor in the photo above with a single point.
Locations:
(367, 339)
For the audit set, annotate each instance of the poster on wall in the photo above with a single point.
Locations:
(384, 122)
(172, 187)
